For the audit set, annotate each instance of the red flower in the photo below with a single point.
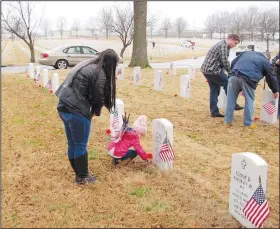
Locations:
(108, 131)
(150, 156)
(51, 91)
(256, 118)
(175, 94)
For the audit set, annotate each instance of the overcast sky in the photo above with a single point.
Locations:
(195, 12)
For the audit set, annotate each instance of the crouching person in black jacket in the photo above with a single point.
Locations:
(90, 85)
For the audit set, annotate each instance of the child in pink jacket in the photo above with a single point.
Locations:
(120, 149)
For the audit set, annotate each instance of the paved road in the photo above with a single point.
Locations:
(197, 62)
(178, 64)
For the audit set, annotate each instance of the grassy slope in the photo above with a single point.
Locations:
(38, 188)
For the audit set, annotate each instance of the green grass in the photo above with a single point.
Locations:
(140, 192)
(92, 155)
(14, 217)
(157, 206)
(19, 121)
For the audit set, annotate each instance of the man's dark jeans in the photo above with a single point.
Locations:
(215, 82)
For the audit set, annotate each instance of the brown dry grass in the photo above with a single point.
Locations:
(14, 55)
(4, 45)
(38, 188)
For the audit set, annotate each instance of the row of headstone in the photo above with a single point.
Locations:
(43, 81)
(269, 105)
(162, 132)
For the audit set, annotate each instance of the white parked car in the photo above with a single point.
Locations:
(249, 47)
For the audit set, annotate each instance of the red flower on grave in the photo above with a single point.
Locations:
(108, 131)
(150, 156)
(51, 91)
(175, 94)
(256, 118)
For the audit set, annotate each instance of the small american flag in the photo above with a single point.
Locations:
(49, 85)
(115, 123)
(256, 210)
(119, 72)
(166, 152)
(270, 107)
(38, 77)
(137, 77)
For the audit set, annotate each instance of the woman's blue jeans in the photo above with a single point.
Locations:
(77, 130)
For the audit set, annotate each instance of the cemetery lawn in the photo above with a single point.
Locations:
(38, 188)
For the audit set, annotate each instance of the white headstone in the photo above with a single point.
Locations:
(246, 169)
(120, 72)
(185, 86)
(158, 80)
(116, 120)
(137, 76)
(172, 69)
(191, 71)
(55, 82)
(38, 74)
(269, 109)
(222, 99)
(161, 127)
(45, 77)
(31, 70)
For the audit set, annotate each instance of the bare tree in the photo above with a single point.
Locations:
(139, 53)
(180, 25)
(251, 20)
(52, 33)
(275, 23)
(76, 26)
(219, 24)
(238, 18)
(123, 26)
(61, 24)
(166, 26)
(151, 23)
(266, 22)
(45, 25)
(106, 20)
(19, 21)
(91, 25)
(211, 24)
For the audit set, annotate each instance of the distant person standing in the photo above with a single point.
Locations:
(213, 67)
(276, 67)
(247, 70)
(154, 44)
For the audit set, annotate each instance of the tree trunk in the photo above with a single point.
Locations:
(61, 34)
(32, 56)
(107, 33)
(139, 52)
(267, 45)
(122, 51)
(166, 34)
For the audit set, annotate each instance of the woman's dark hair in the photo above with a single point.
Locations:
(107, 60)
